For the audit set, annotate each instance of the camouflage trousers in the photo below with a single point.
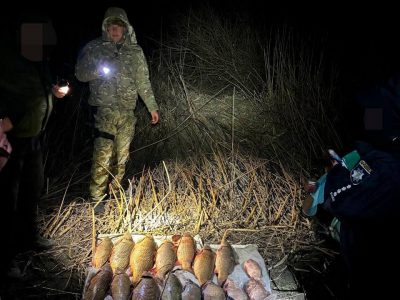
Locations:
(115, 129)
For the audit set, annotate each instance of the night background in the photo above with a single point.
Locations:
(290, 72)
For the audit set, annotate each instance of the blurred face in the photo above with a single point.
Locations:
(36, 39)
(116, 33)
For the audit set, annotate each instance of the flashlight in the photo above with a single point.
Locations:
(63, 86)
(106, 70)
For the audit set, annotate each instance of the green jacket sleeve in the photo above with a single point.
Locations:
(143, 83)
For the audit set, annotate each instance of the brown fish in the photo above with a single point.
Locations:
(121, 251)
(146, 289)
(212, 291)
(99, 284)
(191, 291)
(165, 258)
(255, 290)
(203, 265)
(233, 291)
(224, 261)
(120, 286)
(186, 251)
(252, 269)
(142, 257)
(172, 288)
(102, 252)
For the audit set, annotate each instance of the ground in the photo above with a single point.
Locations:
(312, 273)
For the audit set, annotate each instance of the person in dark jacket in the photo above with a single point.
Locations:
(117, 72)
(362, 190)
(26, 94)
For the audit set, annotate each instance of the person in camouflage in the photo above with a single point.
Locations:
(117, 72)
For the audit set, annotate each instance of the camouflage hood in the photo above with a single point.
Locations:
(116, 12)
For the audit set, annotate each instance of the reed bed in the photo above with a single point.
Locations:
(247, 199)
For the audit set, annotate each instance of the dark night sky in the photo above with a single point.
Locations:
(363, 40)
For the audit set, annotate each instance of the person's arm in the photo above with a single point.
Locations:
(144, 86)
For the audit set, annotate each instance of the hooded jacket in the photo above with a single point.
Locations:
(128, 76)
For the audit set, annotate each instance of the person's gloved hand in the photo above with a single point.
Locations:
(311, 186)
(59, 91)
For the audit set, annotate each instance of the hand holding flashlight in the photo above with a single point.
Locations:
(61, 88)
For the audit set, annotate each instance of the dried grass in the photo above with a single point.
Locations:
(248, 200)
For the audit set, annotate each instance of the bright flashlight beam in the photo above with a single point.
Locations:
(64, 89)
(106, 70)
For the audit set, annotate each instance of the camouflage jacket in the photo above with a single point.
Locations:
(128, 76)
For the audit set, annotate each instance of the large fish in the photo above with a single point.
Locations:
(255, 290)
(233, 291)
(102, 252)
(119, 259)
(142, 257)
(252, 269)
(203, 265)
(120, 286)
(191, 289)
(212, 291)
(99, 284)
(186, 251)
(224, 261)
(146, 289)
(165, 258)
(172, 288)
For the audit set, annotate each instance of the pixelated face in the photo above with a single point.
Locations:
(35, 37)
(116, 32)
(32, 41)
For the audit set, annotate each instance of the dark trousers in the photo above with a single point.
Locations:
(21, 184)
(371, 254)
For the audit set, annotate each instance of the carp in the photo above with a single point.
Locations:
(102, 252)
(191, 291)
(98, 284)
(252, 269)
(233, 291)
(165, 258)
(186, 251)
(142, 257)
(120, 254)
(212, 291)
(172, 288)
(120, 286)
(146, 289)
(224, 261)
(203, 265)
(191, 288)
(255, 290)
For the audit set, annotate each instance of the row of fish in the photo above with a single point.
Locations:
(148, 269)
